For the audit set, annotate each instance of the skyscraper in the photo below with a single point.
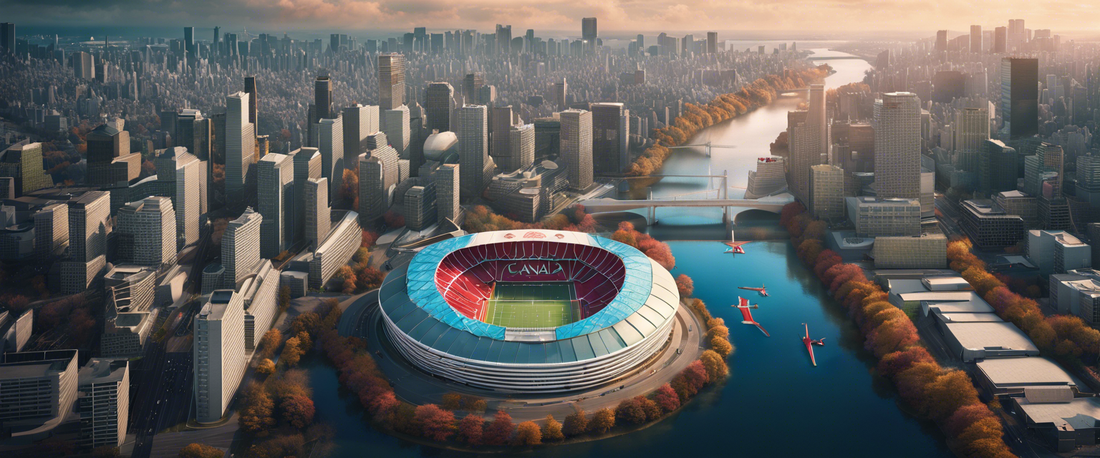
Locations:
(501, 122)
(184, 176)
(826, 191)
(105, 144)
(378, 176)
(712, 42)
(976, 39)
(971, 133)
(559, 92)
(897, 123)
(330, 135)
(391, 81)
(147, 232)
(7, 37)
(88, 225)
(219, 359)
(322, 98)
(447, 191)
(576, 147)
(240, 147)
(522, 143)
(588, 29)
(471, 86)
(359, 122)
(397, 124)
(318, 214)
(189, 40)
(241, 247)
(274, 182)
(997, 168)
(1000, 40)
(1020, 96)
(439, 101)
(941, 40)
(473, 149)
(253, 97)
(610, 134)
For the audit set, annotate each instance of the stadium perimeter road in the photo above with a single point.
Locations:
(362, 318)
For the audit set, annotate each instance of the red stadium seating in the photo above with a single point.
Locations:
(465, 277)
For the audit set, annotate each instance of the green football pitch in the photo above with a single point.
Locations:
(531, 305)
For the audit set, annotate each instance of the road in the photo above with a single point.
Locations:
(363, 318)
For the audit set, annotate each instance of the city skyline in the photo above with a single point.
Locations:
(823, 17)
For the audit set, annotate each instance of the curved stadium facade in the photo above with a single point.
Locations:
(533, 311)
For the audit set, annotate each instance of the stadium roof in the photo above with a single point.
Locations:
(410, 299)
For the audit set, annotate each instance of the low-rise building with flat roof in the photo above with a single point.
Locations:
(989, 226)
(974, 341)
(1010, 376)
(1065, 421)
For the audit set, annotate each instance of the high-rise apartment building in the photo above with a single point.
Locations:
(184, 178)
(274, 186)
(104, 402)
(359, 122)
(610, 138)
(522, 144)
(391, 81)
(318, 214)
(439, 102)
(971, 133)
(330, 143)
(241, 247)
(219, 356)
(379, 175)
(88, 225)
(473, 149)
(397, 124)
(51, 230)
(826, 192)
(307, 164)
(1020, 96)
(897, 123)
(471, 86)
(240, 147)
(576, 147)
(147, 232)
(420, 210)
(446, 191)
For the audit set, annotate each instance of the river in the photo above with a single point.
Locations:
(775, 403)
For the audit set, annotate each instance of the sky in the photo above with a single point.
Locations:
(830, 16)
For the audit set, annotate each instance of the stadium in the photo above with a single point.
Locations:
(529, 311)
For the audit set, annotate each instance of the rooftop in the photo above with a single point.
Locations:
(1024, 371)
(991, 336)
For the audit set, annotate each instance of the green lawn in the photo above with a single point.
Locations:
(529, 305)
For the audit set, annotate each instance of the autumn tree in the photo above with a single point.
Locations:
(666, 398)
(575, 424)
(714, 364)
(469, 429)
(528, 433)
(292, 352)
(685, 285)
(500, 430)
(948, 392)
(257, 413)
(265, 367)
(298, 410)
(435, 423)
(452, 401)
(602, 421)
(631, 411)
(551, 429)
